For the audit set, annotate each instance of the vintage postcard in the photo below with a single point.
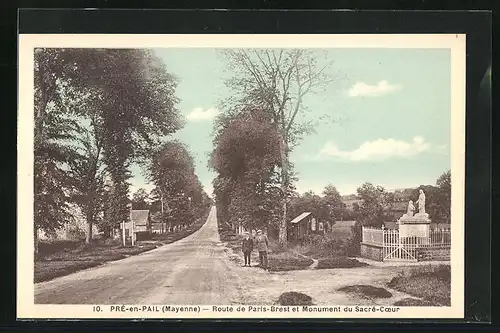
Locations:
(241, 176)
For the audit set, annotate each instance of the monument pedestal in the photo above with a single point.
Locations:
(414, 226)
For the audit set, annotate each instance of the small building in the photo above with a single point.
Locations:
(141, 220)
(303, 225)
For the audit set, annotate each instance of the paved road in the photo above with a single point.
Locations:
(194, 270)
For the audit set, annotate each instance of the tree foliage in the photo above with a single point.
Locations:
(375, 200)
(179, 194)
(333, 201)
(277, 81)
(140, 199)
(96, 110)
(437, 198)
(246, 157)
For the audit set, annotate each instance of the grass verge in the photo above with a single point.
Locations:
(287, 261)
(430, 283)
(65, 257)
(339, 262)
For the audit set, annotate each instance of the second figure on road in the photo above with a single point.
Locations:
(247, 248)
(262, 246)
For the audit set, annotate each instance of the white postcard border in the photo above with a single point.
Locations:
(27, 42)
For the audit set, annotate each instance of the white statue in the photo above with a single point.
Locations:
(411, 208)
(421, 202)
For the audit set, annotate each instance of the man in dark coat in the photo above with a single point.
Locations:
(247, 248)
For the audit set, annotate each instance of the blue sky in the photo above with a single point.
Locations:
(393, 105)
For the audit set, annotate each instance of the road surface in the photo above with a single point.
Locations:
(197, 270)
(193, 270)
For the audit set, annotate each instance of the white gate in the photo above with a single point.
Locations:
(400, 248)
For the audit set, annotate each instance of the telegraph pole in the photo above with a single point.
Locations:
(123, 232)
(132, 226)
(162, 215)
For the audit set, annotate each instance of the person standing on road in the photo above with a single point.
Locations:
(247, 248)
(262, 247)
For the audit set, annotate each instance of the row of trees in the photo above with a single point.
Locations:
(268, 89)
(376, 203)
(261, 123)
(97, 111)
(178, 196)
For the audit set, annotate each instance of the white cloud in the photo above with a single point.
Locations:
(199, 114)
(377, 150)
(381, 88)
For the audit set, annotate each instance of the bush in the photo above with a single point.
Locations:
(76, 233)
(339, 262)
(292, 298)
(431, 283)
(288, 263)
(366, 291)
(325, 246)
(354, 245)
(144, 235)
(48, 248)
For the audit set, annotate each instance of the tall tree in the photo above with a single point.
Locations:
(88, 176)
(438, 198)
(140, 199)
(444, 200)
(172, 171)
(53, 134)
(374, 202)
(128, 99)
(246, 156)
(333, 200)
(277, 81)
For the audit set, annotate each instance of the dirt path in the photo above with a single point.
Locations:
(193, 270)
(315, 261)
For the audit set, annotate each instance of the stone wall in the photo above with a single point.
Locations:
(372, 252)
(429, 254)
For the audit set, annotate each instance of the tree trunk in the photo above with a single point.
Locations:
(35, 234)
(88, 238)
(284, 188)
(163, 224)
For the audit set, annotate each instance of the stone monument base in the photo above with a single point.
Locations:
(414, 230)
(414, 226)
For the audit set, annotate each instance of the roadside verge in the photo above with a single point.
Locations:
(71, 257)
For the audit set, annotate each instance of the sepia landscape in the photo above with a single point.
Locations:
(242, 176)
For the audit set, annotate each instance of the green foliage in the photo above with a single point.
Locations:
(333, 200)
(375, 201)
(96, 110)
(245, 157)
(140, 199)
(437, 198)
(172, 171)
(276, 82)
